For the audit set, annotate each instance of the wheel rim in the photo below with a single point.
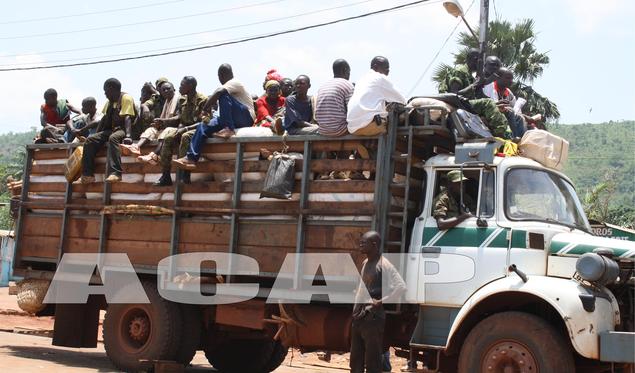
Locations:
(135, 330)
(509, 357)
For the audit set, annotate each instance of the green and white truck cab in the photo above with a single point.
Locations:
(527, 252)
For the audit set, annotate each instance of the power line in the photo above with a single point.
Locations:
(88, 13)
(425, 71)
(178, 36)
(239, 41)
(29, 36)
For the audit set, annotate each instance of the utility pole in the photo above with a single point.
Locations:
(482, 37)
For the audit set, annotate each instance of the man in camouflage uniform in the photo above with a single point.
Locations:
(445, 206)
(461, 76)
(189, 114)
(496, 121)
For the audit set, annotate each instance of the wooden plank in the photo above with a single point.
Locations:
(82, 245)
(317, 186)
(335, 236)
(155, 230)
(40, 154)
(204, 233)
(48, 226)
(47, 169)
(39, 246)
(140, 252)
(319, 165)
(269, 259)
(47, 187)
(277, 234)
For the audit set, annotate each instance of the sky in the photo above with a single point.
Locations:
(591, 45)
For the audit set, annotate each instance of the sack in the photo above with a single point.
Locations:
(73, 165)
(545, 148)
(279, 180)
(467, 126)
(417, 106)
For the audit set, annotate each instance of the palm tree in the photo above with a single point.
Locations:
(514, 45)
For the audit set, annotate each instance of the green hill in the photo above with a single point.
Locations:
(598, 149)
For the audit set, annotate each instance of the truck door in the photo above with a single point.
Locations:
(454, 263)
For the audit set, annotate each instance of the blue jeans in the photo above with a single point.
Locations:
(78, 124)
(231, 114)
(385, 361)
(516, 124)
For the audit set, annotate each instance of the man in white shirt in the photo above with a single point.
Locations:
(367, 113)
(499, 91)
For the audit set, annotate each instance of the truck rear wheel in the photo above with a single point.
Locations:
(242, 355)
(135, 332)
(515, 342)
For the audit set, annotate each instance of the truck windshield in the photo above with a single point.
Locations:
(533, 194)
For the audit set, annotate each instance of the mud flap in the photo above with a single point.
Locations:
(76, 325)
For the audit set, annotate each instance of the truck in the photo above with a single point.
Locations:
(526, 285)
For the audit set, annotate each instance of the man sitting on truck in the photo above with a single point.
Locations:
(369, 317)
(189, 113)
(85, 124)
(55, 117)
(235, 110)
(490, 73)
(367, 113)
(445, 207)
(461, 76)
(298, 115)
(114, 128)
(332, 101)
(500, 91)
(169, 104)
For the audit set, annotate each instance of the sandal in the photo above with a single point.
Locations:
(151, 158)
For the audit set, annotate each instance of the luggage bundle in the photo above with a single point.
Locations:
(467, 126)
(545, 148)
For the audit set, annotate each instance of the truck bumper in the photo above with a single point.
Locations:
(617, 347)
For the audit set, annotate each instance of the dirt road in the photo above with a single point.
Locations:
(28, 353)
(25, 346)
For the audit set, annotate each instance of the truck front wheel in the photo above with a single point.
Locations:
(515, 342)
(136, 335)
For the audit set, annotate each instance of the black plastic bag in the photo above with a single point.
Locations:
(280, 179)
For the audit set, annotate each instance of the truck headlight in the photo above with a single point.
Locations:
(597, 269)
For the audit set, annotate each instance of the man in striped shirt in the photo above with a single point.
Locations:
(332, 101)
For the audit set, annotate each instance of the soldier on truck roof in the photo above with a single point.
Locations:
(461, 76)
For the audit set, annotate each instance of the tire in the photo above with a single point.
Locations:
(192, 329)
(516, 340)
(134, 332)
(242, 355)
(277, 357)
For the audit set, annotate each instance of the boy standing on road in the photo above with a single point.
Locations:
(369, 317)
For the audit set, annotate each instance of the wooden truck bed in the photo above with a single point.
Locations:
(215, 214)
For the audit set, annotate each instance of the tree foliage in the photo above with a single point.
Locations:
(514, 44)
